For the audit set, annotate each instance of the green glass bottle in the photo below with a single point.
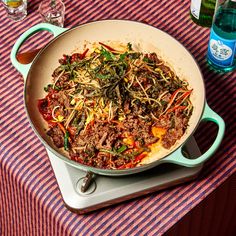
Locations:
(221, 54)
(202, 11)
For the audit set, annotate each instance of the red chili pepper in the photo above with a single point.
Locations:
(78, 56)
(127, 165)
(140, 157)
(61, 127)
(132, 164)
(108, 47)
(82, 56)
(183, 97)
(74, 57)
(63, 60)
(185, 94)
(43, 109)
(65, 56)
(136, 144)
(174, 95)
(72, 130)
(90, 125)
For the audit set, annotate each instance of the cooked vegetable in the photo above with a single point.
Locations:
(66, 141)
(111, 106)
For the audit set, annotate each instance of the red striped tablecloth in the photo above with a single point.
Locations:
(30, 200)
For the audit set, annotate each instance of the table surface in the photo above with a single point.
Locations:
(30, 200)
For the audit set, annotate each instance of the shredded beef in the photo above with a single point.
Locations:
(175, 133)
(57, 136)
(105, 135)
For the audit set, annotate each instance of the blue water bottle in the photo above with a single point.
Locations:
(222, 44)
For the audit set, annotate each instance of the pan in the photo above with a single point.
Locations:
(38, 73)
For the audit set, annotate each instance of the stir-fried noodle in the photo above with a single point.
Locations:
(108, 107)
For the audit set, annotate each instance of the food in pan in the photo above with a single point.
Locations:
(111, 107)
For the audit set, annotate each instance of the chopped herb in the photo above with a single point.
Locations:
(123, 56)
(109, 56)
(46, 88)
(129, 45)
(134, 55)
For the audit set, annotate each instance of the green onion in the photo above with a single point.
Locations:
(113, 153)
(66, 141)
(122, 149)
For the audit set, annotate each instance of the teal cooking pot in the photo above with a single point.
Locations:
(38, 73)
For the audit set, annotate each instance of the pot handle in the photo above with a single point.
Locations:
(22, 68)
(179, 159)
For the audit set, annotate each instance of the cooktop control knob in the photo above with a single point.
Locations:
(86, 185)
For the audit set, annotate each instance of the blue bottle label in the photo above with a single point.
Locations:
(221, 51)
